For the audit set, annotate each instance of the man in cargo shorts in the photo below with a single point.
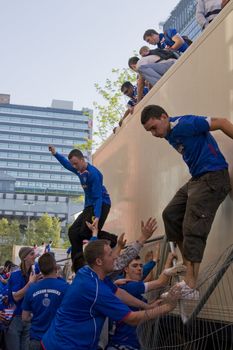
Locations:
(189, 215)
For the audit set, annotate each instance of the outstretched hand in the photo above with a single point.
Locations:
(149, 228)
(121, 242)
(52, 149)
(93, 228)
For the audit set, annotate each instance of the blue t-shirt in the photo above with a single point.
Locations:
(92, 183)
(125, 334)
(166, 40)
(16, 282)
(133, 100)
(190, 136)
(80, 318)
(42, 299)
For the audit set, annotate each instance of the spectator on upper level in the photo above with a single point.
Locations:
(206, 11)
(169, 40)
(130, 90)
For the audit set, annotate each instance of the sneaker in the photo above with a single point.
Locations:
(179, 268)
(188, 293)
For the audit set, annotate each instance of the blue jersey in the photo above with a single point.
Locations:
(42, 299)
(125, 334)
(190, 136)
(80, 318)
(133, 100)
(16, 282)
(166, 40)
(92, 183)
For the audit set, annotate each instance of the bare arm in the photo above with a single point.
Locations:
(222, 124)
(21, 292)
(129, 300)
(140, 86)
(179, 41)
(134, 318)
(26, 316)
(163, 279)
(127, 112)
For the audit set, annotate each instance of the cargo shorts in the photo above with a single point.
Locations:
(189, 215)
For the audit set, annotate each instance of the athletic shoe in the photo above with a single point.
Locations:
(179, 268)
(188, 293)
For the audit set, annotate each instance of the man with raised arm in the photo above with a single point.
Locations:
(97, 201)
(189, 215)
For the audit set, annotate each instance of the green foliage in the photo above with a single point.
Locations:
(9, 235)
(109, 114)
(46, 229)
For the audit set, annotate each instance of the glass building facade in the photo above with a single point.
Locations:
(183, 19)
(26, 132)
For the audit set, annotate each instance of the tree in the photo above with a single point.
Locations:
(108, 114)
(46, 229)
(9, 235)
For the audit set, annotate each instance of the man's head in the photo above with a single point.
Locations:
(127, 89)
(47, 264)
(134, 270)
(76, 159)
(155, 119)
(132, 63)
(144, 51)
(151, 36)
(99, 256)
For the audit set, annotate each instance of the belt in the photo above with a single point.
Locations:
(214, 12)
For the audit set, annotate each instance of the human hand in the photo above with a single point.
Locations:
(93, 228)
(170, 258)
(147, 229)
(52, 149)
(149, 256)
(120, 122)
(121, 242)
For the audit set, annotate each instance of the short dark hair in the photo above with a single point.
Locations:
(149, 32)
(151, 111)
(110, 237)
(133, 60)
(94, 250)
(75, 153)
(126, 85)
(47, 263)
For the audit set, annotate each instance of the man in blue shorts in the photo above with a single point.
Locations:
(190, 214)
(90, 299)
(97, 200)
(42, 300)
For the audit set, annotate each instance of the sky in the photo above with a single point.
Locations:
(58, 49)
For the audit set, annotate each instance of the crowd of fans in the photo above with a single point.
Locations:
(40, 310)
(170, 45)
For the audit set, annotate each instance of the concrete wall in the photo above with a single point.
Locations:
(142, 173)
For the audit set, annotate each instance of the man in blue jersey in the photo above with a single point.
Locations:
(125, 335)
(130, 90)
(42, 300)
(169, 40)
(189, 215)
(97, 200)
(90, 299)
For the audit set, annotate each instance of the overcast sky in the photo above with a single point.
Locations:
(60, 48)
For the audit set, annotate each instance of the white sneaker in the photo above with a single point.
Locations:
(188, 293)
(179, 268)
